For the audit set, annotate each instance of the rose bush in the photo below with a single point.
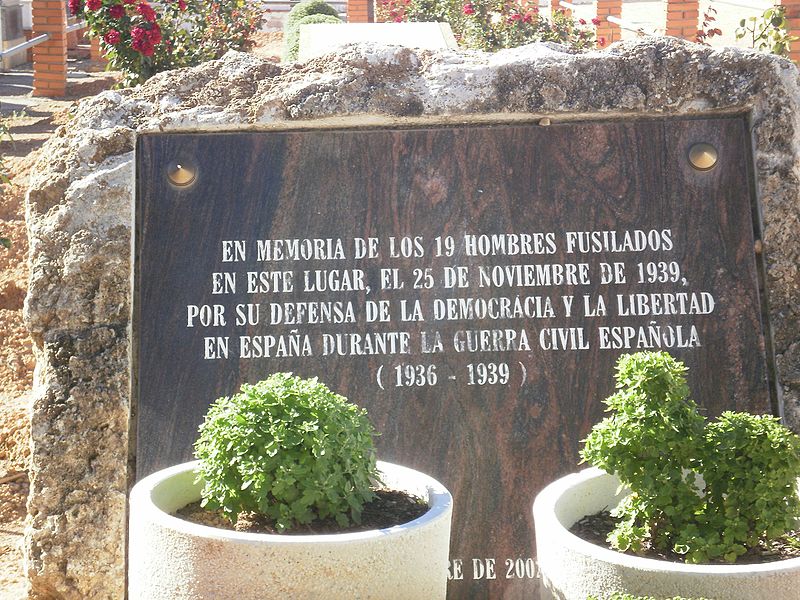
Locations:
(494, 24)
(141, 40)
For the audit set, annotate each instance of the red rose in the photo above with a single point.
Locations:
(154, 35)
(112, 37)
(469, 9)
(582, 21)
(144, 40)
(182, 4)
(147, 12)
(143, 46)
(595, 21)
(94, 4)
(117, 11)
(74, 7)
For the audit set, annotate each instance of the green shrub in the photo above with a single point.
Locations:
(291, 41)
(657, 443)
(287, 448)
(307, 8)
(751, 474)
(301, 14)
(650, 442)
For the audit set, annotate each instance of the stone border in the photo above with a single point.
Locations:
(79, 210)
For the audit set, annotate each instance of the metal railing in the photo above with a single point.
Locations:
(621, 23)
(75, 27)
(24, 46)
(629, 25)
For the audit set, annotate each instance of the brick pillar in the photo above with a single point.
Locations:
(360, 11)
(683, 18)
(95, 52)
(72, 39)
(608, 32)
(29, 51)
(793, 17)
(555, 7)
(50, 58)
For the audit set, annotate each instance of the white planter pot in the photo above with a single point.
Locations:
(572, 568)
(173, 559)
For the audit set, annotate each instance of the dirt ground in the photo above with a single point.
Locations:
(268, 45)
(29, 130)
(16, 366)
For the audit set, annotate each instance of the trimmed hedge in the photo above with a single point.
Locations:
(305, 13)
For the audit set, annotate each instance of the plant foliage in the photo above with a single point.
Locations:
(141, 39)
(493, 24)
(707, 29)
(289, 449)
(768, 32)
(307, 12)
(663, 450)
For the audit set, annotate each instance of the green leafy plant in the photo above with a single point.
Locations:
(307, 12)
(663, 450)
(292, 40)
(228, 25)
(494, 24)
(750, 470)
(768, 32)
(307, 8)
(422, 11)
(289, 449)
(141, 40)
(651, 438)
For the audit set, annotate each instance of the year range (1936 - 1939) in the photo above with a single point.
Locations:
(411, 375)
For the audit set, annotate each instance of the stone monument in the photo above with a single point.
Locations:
(416, 190)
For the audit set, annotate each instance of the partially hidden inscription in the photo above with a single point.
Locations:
(471, 287)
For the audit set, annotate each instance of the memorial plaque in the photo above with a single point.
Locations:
(471, 286)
